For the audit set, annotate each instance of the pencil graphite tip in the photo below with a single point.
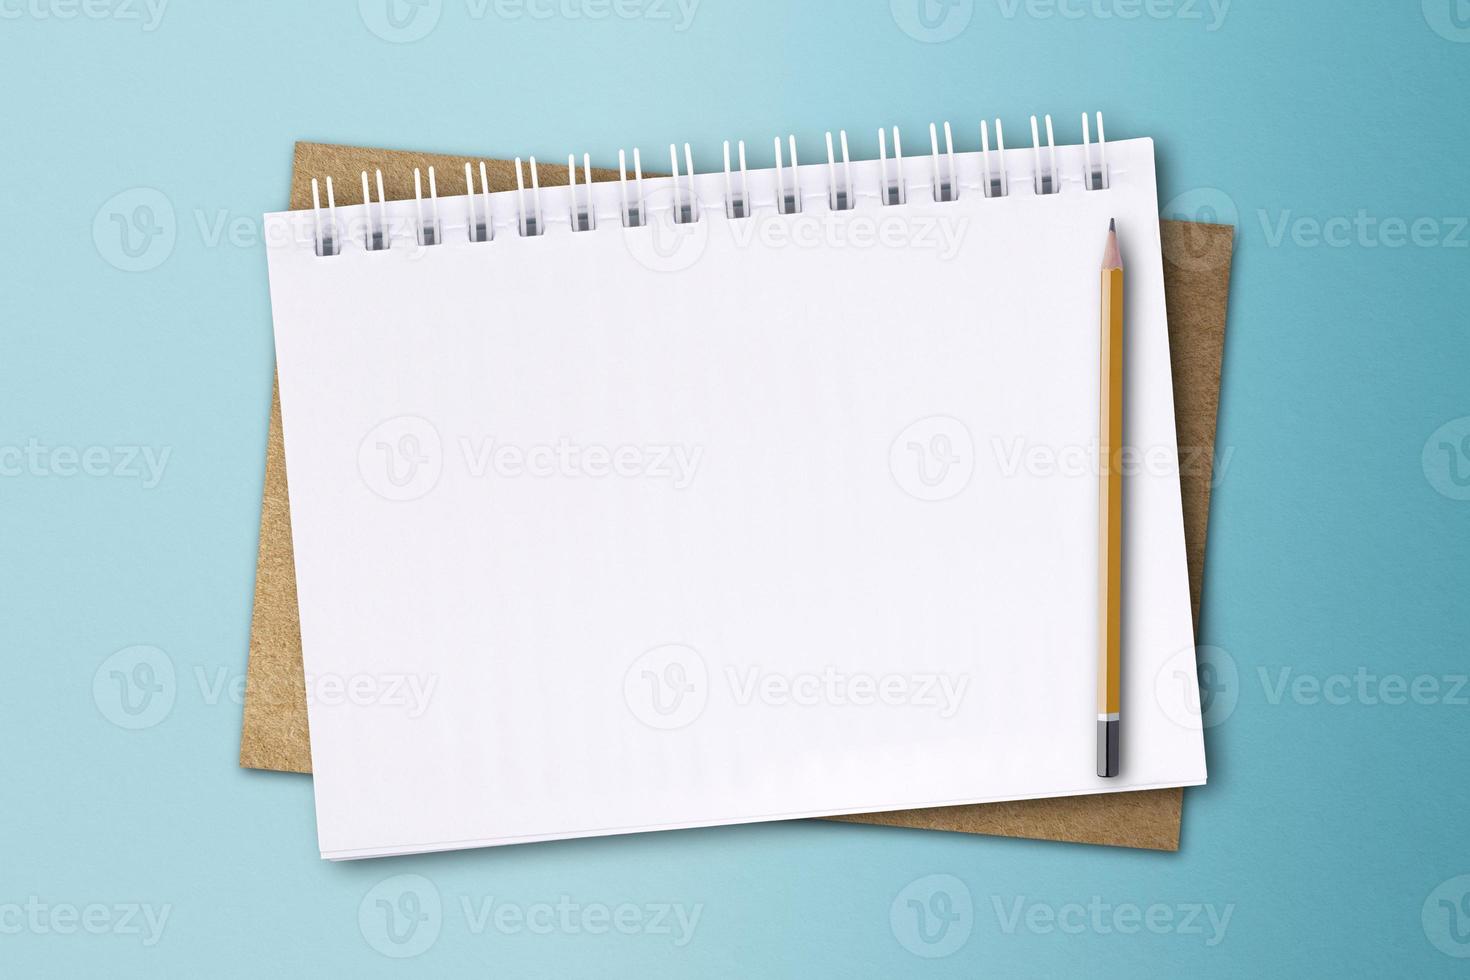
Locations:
(1112, 258)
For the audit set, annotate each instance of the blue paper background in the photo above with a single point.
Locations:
(1332, 834)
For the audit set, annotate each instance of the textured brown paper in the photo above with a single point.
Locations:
(1196, 283)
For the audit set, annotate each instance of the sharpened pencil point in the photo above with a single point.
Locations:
(1112, 258)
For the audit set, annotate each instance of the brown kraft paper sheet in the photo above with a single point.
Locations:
(1196, 283)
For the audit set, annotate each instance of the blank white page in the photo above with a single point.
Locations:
(632, 529)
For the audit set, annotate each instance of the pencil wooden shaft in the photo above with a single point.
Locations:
(1110, 521)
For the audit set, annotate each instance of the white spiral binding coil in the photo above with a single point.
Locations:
(841, 194)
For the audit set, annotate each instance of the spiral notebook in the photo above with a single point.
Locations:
(782, 508)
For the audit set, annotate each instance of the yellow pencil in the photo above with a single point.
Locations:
(1110, 510)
